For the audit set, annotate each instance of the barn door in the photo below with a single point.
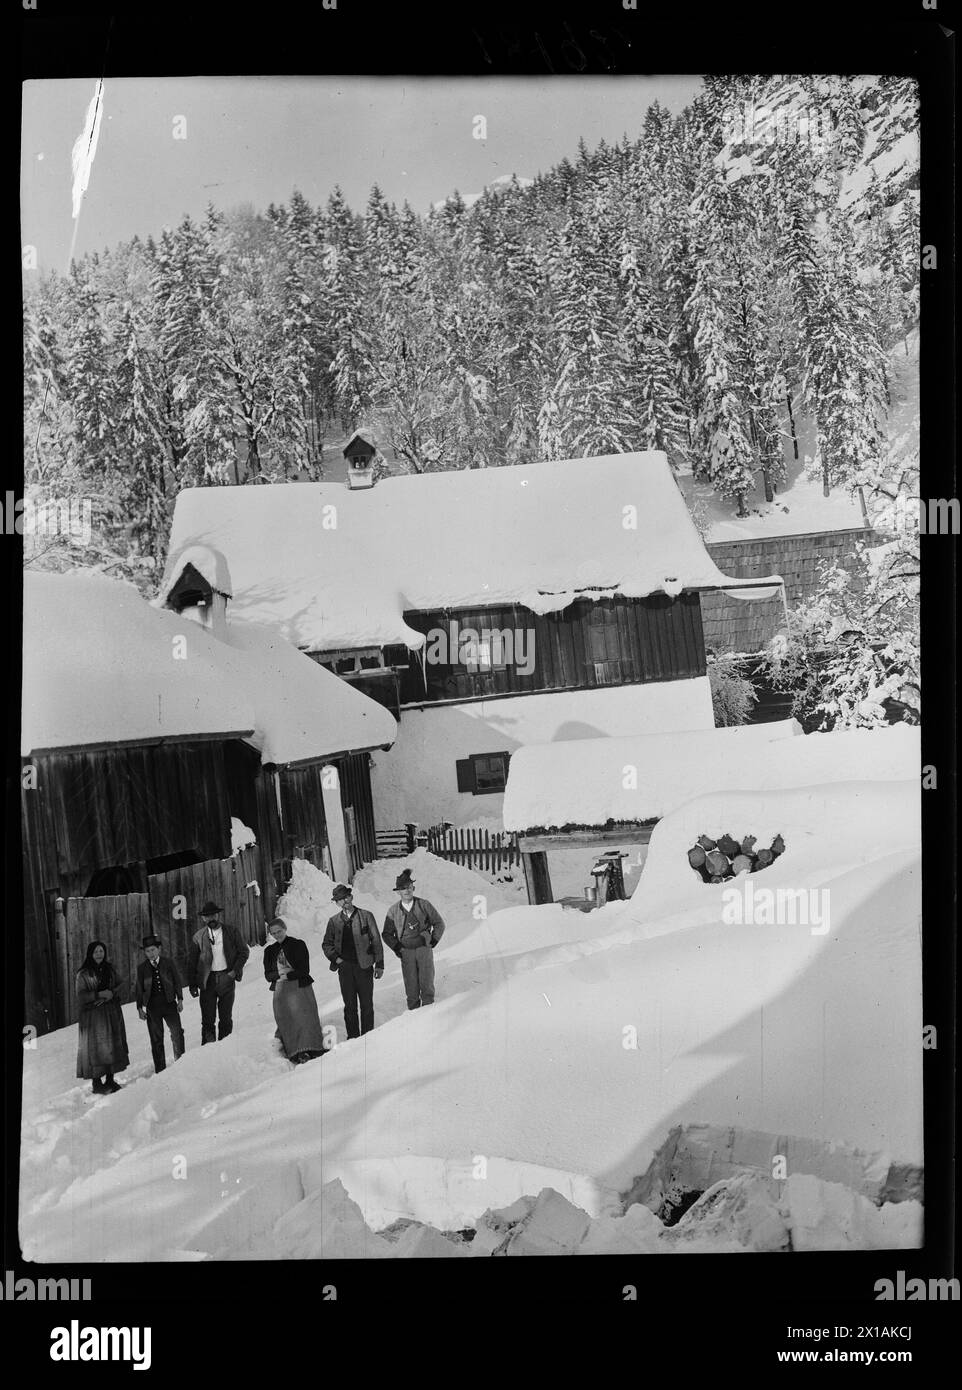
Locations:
(177, 897)
(121, 923)
(353, 847)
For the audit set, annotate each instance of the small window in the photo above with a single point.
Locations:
(487, 654)
(491, 773)
(482, 773)
(607, 672)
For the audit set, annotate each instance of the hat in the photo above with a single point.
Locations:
(341, 892)
(150, 941)
(404, 880)
(209, 909)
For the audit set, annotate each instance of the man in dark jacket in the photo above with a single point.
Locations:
(412, 929)
(352, 943)
(160, 999)
(215, 964)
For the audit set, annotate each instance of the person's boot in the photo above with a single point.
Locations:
(110, 1085)
(98, 1086)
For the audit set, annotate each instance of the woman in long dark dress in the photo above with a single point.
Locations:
(102, 1047)
(287, 966)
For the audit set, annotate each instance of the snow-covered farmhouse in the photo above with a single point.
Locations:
(170, 757)
(487, 609)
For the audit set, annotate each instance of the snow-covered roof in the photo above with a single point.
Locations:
(336, 568)
(102, 666)
(365, 436)
(593, 780)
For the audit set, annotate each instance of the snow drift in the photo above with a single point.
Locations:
(563, 1050)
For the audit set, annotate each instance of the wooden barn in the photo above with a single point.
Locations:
(486, 608)
(171, 755)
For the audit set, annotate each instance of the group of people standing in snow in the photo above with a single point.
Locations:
(215, 966)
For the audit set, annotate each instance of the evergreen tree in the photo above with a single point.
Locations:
(652, 371)
(351, 367)
(587, 409)
(722, 427)
(137, 461)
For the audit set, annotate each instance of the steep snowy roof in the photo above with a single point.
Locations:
(101, 666)
(365, 436)
(583, 781)
(334, 567)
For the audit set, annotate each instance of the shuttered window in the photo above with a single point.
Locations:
(481, 773)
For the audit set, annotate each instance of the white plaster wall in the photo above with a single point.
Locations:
(416, 779)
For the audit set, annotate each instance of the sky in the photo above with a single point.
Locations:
(254, 140)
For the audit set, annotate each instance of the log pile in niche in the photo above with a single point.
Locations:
(714, 861)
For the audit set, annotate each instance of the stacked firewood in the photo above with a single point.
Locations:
(726, 857)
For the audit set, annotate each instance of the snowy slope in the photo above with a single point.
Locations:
(498, 185)
(799, 506)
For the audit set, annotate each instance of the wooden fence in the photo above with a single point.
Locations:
(121, 923)
(489, 851)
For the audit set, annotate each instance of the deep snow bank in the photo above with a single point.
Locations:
(735, 1215)
(576, 1053)
(826, 829)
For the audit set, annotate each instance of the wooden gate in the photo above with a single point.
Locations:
(170, 910)
(121, 923)
(177, 897)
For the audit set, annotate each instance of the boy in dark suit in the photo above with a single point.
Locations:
(160, 999)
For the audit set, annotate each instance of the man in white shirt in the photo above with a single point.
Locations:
(215, 964)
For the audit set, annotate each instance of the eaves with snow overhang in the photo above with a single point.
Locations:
(103, 668)
(331, 567)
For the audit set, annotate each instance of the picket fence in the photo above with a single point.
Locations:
(487, 850)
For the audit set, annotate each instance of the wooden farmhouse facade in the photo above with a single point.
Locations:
(164, 764)
(486, 609)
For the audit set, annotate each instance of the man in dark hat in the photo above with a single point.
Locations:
(160, 999)
(352, 943)
(412, 929)
(215, 964)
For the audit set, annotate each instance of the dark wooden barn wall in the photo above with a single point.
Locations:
(39, 943)
(124, 805)
(92, 811)
(119, 806)
(356, 792)
(645, 639)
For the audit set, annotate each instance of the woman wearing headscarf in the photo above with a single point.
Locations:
(102, 1048)
(287, 967)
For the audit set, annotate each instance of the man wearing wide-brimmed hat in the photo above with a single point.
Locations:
(215, 964)
(352, 943)
(412, 929)
(160, 999)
